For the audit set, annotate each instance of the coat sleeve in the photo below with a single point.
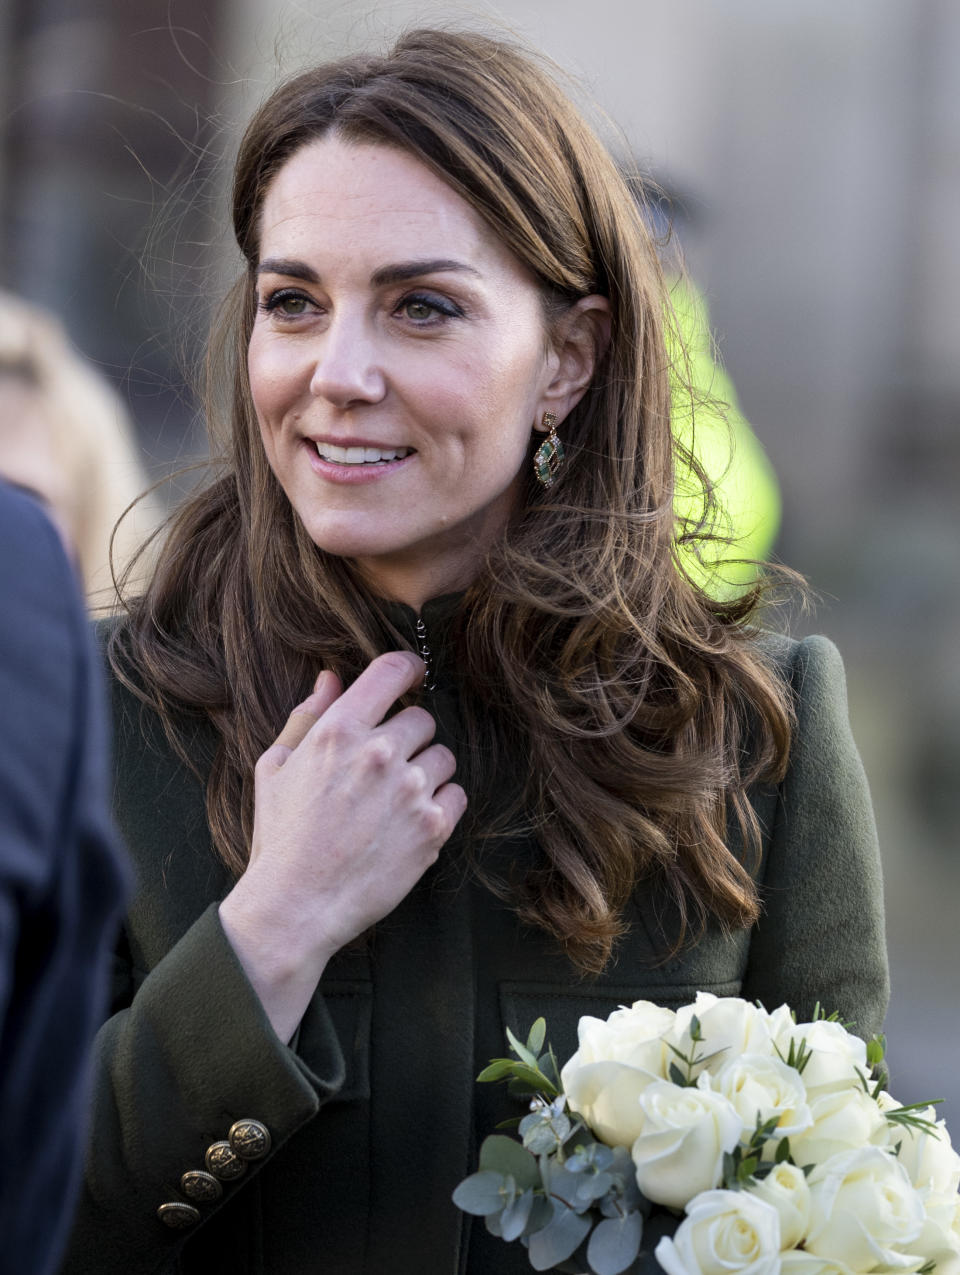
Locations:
(821, 936)
(193, 1053)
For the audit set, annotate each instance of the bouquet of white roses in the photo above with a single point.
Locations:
(775, 1140)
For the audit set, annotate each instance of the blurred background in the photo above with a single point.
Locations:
(814, 149)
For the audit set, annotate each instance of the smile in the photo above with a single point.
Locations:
(360, 455)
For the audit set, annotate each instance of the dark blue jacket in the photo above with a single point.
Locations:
(61, 883)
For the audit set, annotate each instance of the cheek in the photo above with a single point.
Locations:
(507, 388)
(274, 377)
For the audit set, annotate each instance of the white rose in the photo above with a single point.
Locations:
(928, 1157)
(797, 1262)
(781, 1020)
(685, 1134)
(724, 1232)
(837, 1056)
(729, 1027)
(842, 1121)
(625, 1036)
(617, 1058)
(945, 1211)
(939, 1241)
(785, 1187)
(762, 1086)
(864, 1212)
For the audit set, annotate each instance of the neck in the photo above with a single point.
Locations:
(415, 583)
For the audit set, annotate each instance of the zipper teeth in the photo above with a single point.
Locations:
(424, 652)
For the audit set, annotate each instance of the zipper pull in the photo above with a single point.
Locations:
(424, 652)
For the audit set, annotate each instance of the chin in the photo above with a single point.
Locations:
(351, 542)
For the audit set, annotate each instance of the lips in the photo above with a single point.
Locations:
(360, 455)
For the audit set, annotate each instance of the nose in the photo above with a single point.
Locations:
(347, 369)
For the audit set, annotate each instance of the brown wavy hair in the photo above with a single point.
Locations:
(644, 705)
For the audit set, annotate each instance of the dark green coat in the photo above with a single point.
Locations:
(373, 1110)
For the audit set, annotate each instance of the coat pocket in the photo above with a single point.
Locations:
(562, 1007)
(349, 1005)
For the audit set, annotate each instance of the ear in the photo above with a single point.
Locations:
(580, 340)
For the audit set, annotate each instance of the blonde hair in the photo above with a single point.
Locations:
(83, 461)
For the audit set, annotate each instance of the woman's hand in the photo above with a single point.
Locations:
(350, 812)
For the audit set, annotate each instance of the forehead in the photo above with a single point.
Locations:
(368, 196)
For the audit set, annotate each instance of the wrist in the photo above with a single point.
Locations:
(274, 945)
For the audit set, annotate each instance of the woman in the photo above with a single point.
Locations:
(445, 400)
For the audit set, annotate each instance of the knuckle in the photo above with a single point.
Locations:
(335, 734)
(413, 782)
(436, 828)
(378, 752)
(264, 765)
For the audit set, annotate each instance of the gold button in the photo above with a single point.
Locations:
(198, 1185)
(223, 1162)
(178, 1216)
(250, 1139)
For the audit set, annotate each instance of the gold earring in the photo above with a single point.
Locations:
(549, 456)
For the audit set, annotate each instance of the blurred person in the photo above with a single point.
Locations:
(61, 883)
(741, 514)
(743, 518)
(64, 435)
(423, 727)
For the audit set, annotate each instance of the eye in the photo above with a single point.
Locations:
(286, 303)
(425, 309)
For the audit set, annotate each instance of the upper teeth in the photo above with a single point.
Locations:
(361, 455)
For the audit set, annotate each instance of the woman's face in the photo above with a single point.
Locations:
(398, 363)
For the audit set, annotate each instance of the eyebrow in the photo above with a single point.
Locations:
(381, 278)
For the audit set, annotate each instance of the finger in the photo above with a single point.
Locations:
(453, 802)
(409, 730)
(325, 693)
(438, 764)
(382, 682)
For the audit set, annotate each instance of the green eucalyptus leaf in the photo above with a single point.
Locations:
(513, 1220)
(541, 1140)
(538, 1034)
(559, 1239)
(522, 1052)
(596, 1186)
(876, 1050)
(497, 1069)
(481, 1194)
(548, 1065)
(503, 1155)
(614, 1244)
(540, 1214)
(677, 1076)
(530, 1080)
(783, 1151)
(572, 1189)
(492, 1223)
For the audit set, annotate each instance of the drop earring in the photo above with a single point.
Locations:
(549, 456)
